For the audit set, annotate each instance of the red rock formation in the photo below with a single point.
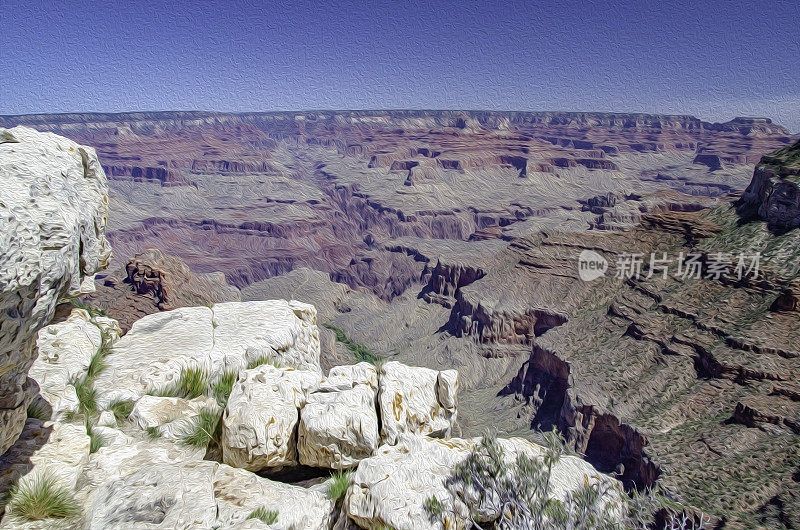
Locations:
(153, 281)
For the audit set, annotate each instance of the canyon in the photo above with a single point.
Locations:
(448, 239)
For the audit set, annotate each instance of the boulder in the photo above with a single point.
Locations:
(391, 488)
(347, 376)
(53, 208)
(260, 421)
(416, 400)
(111, 436)
(65, 350)
(774, 193)
(156, 486)
(338, 429)
(171, 416)
(226, 336)
(107, 419)
(46, 448)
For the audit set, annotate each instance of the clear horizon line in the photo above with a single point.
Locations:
(386, 109)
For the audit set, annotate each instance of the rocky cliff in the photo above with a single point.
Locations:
(153, 281)
(191, 403)
(53, 210)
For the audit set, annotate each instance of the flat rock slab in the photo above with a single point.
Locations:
(226, 336)
(150, 486)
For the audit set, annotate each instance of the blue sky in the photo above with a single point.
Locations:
(715, 60)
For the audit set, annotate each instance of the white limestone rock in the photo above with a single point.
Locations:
(391, 487)
(45, 448)
(347, 376)
(227, 336)
(112, 437)
(447, 386)
(65, 350)
(154, 486)
(338, 429)
(260, 419)
(107, 419)
(416, 400)
(239, 492)
(53, 209)
(171, 416)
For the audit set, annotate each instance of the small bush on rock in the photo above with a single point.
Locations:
(264, 515)
(42, 498)
(518, 496)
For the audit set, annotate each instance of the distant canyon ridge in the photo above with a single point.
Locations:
(449, 239)
(255, 195)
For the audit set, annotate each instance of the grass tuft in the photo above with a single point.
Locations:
(87, 395)
(84, 385)
(264, 515)
(262, 360)
(338, 487)
(224, 385)
(42, 498)
(121, 409)
(153, 433)
(203, 429)
(93, 311)
(193, 382)
(38, 409)
(96, 440)
(98, 362)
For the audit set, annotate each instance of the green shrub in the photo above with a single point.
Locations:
(203, 429)
(153, 432)
(267, 516)
(39, 409)
(42, 498)
(338, 486)
(520, 494)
